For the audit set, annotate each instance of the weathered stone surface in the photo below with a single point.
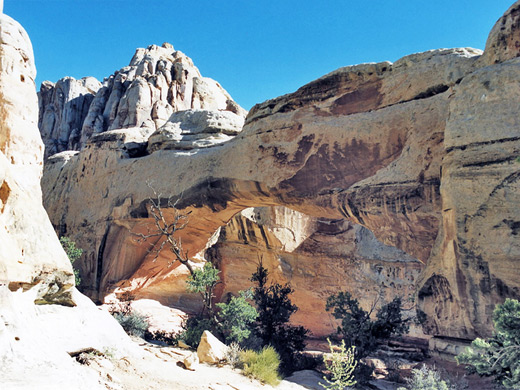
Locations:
(42, 315)
(211, 350)
(364, 144)
(317, 256)
(31, 255)
(475, 263)
(158, 82)
(193, 129)
(380, 169)
(503, 42)
(36, 341)
(63, 109)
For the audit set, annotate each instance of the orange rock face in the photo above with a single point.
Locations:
(378, 177)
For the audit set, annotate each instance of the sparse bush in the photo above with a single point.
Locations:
(237, 317)
(133, 323)
(341, 365)
(425, 378)
(233, 355)
(262, 365)
(272, 325)
(358, 329)
(499, 356)
(73, 253)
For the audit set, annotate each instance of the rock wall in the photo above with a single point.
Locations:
(317, 256)
(43, 317)
(31, 255)
(63, 108)
(158, 82)
(475, 261)
(420, 152)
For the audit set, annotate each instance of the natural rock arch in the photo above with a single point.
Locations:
(364, 143)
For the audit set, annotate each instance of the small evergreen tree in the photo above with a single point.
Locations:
(203, 281)
(499, 356)
(358, 329)
(73, 253)
(236, 317)
(425, 378)
(272, 326)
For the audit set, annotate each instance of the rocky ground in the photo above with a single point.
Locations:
(161, 368)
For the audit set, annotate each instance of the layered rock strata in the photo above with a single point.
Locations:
(158, 82)
(420, 152)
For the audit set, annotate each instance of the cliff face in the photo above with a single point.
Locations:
(158, 82)
(63, 108)
(42, 316)
(31, 254)
(475, 259)
(317, 256)
(418, 155)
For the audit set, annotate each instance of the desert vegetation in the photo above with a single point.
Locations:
(73, 253)
(499, 355)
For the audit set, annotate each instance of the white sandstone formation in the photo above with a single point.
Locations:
(43, 318)
(158, 82)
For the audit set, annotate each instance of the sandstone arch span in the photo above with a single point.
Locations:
(364, 143)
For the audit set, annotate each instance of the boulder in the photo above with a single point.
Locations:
(503, 42)
(191, 362)
(194, 129)
(211, 350)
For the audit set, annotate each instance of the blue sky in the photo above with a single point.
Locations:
(257, 50)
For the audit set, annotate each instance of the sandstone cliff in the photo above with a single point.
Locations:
(158, 82)
(42, 315)
(31, 255)
(421, 153)
(63, 108)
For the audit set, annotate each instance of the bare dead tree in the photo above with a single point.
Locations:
(166, 228)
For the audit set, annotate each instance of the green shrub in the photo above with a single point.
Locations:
(262, 365)
(272, 325)
(73, 253)
(499, 356)
(425, 378)
(203, 281)
(341, 365)
(133, 323)
(236, 317)
(193, 328)
(359, 330)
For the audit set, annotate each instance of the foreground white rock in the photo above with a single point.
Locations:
(43, 318)
(30, 254)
